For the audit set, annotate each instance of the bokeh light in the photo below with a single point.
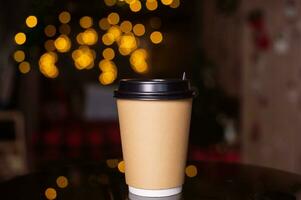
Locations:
(130, 1)
(49, 45)
(47, 65)
(79, 38)
(156, 37)
(175, 4)
(64, 17)
(50, 30)
(31, 21)
(121, 166)
(50, 193)
(166, 2)
(19, 56)
(65, 29)
(89, 36)
(86, 22)
(191, 171)
(108, 39)
(83, 58)
(106, 78)
(62, 43)
(139, 29)
(24, 67)
(62, 182)
(108, 53)
(151, 5)
(135, 6)
(110, 2)
(104, 24)
(127, 44)
(20, 38)
(115, 31)
(126, 26)
(107, 66)
(113, 18)
(138, 61)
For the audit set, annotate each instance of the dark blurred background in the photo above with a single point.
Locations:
(60, 62)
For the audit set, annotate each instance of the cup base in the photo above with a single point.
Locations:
(155, 193)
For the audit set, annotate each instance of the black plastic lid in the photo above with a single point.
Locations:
(153, 89)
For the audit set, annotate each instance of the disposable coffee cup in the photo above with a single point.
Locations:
(154, 117)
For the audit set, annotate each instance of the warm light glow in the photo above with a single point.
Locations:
(31, 21)
(115, 31)
(108, 53)
(127, 44)
(62, 43)
(112, 163)
(50, 193)
(62, 182)
(108, 39)
(151, 5)
(20, 38)
(130, 1)
(65, 29)
(110, 2)
(175, 4)
(104, 24)
(139, 29)
(156, 37)
(89, 36)
(113, 18)
(24, 67)
(83, 58)
(155, 22)
(50, 30)
(166, 2)
(121, 166)
(86, 22)
(135, 6)
(107, 66)
(47, 65)
(19, 56)
(126, 26)
(79, 38)
(106, 78)
(64, 17)
(138, 61)
(49, 45)
(191, 171)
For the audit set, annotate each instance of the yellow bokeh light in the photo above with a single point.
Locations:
(127, 44)
(104, 24)
(115, 31)
(139, 29)
(50, 30)
(65, 29)
(175, 4)
(108, 53)
(113, 18)
(31, 21)
(141, 67)
(79, 38)
(138, 61)
(50, 193)
(121, 166)
(151, 5)
(108, 39)
(126, 26)
(62, 182)
(64, 17)
(106, 78)
(156, 37)
(62, 43)
(89, 36)
(110, 2)
(86, 22)
(47, 65)
(107, 65)
(112, 163)
(166, 2)
(83, 58)
(191, 171)
(130, 1)
(155, 22)
(19, 56)
(135, 6)
(20, 38)
(49, 45)
(24, 67)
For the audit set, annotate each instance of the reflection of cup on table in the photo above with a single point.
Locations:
(154, 117)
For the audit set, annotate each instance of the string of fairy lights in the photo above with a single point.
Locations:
(125, 37)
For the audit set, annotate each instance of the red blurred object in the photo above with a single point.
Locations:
(95, 138)
(53, 137)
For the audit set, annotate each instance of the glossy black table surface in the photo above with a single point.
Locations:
(97, 181)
